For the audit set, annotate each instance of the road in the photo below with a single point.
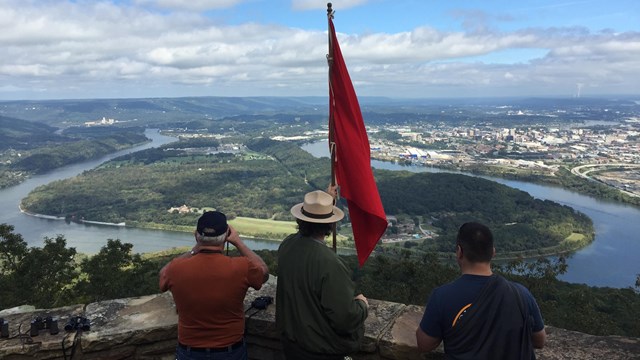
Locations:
(588, 168)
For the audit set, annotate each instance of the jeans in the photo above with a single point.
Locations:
(237, 354)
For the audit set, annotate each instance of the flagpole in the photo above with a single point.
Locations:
(332, 144)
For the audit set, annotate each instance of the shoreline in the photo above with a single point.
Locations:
(123, 224)
(64, 218)
(188, 229)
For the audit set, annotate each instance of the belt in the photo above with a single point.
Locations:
(221, 349)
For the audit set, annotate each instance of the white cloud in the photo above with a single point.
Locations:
(66, 47)
(191, 5)
(322, 4)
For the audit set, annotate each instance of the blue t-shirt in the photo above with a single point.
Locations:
(447, 304)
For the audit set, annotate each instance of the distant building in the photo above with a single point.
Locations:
(413, 136)
(104, 121)
(184, 209)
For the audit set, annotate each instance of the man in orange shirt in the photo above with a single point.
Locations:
(209, 289)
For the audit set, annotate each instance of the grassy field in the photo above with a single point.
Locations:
(252, 227)
(261, 227)
(574, 237)
(571, 243)
(278, 230)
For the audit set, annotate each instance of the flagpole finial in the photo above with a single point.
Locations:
(330, 10)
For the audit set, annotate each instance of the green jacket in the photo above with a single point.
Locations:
(315, 304)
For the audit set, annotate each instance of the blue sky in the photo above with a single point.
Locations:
(57, 49)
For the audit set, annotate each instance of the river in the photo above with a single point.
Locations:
(611, 260)
(90, 238)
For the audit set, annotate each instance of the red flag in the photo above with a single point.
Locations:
(352, 158)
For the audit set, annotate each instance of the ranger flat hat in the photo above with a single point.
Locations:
(317, 208)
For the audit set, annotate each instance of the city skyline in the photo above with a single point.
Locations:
(412, 48)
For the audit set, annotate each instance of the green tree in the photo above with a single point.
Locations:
(12, 249)
(45, 274)
(115, 272)
(36, 276)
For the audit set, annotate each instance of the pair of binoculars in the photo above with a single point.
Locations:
(48, 323)
(262, 302)
(4, 328)
(78, 323)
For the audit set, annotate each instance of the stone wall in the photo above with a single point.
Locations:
(145, 328)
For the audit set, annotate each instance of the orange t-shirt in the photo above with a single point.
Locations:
(209, 291)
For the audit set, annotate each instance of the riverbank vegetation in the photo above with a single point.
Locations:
(562, 178)
(144, 189)
(55, 275)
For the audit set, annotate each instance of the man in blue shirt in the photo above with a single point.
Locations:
(481, 315)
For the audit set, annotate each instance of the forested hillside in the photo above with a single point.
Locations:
(157, 112)
(28, 148)
(166, 112)
(54, 156)
(21, 134)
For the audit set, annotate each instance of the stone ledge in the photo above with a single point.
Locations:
(146, 328)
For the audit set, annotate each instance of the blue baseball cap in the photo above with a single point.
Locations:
(212, 223)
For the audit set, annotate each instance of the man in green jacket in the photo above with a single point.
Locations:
(317, 312)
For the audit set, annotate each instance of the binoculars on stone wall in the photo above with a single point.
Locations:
(261, 302)
(4, 328)
(48, 323)
(78, 323)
